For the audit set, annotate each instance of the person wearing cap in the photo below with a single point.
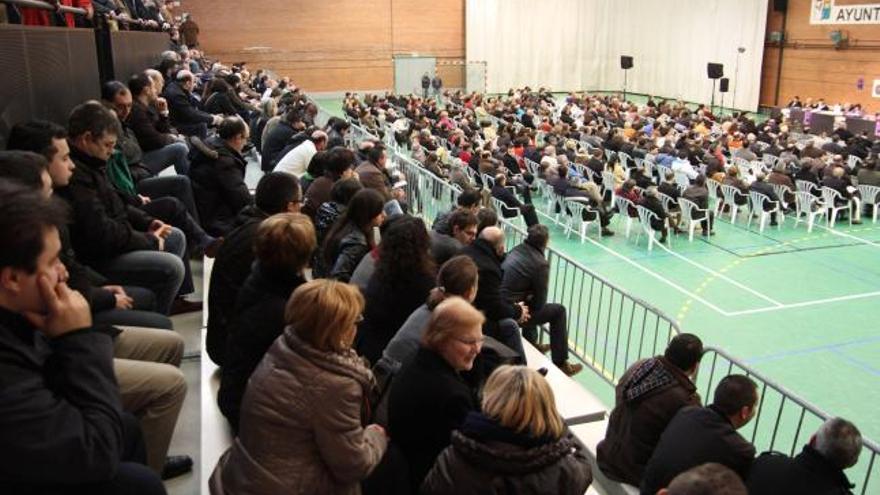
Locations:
(647, 397)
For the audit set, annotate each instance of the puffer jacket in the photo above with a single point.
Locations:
(301, 429)
(352, 248)
(488, 459)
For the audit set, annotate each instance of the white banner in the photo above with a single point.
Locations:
(826, 12)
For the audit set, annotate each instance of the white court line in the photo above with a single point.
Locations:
(722, 276)
(844, 234)
(805, 303)
(661, 278)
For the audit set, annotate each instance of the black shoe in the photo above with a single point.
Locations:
(213, 247)
(662, 239)
(607, 233)
(181, 306)
(175, 465)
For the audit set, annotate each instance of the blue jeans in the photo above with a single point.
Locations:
(175, 186)
(142, 314)
(173, 154)
(161, 272)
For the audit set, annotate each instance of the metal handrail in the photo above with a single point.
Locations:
(37, 4)
(770, 391)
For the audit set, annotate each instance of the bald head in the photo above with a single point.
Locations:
(495, 237)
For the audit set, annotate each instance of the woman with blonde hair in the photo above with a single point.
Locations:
(429, 399)
(518, 444)
(301, 428)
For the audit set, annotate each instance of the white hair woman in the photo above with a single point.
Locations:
(517, 444)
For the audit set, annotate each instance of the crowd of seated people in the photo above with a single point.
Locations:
(308, 310)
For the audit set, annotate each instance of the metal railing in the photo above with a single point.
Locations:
(37, 4)
(609, 329)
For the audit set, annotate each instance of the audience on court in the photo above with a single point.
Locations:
(697, 435)
(516, 443)
(647, 397)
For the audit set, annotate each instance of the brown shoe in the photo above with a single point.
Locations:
(570, 369)
(213, 248)
(542, 348)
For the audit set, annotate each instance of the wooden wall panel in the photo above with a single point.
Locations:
(333, 45)
(812, 68)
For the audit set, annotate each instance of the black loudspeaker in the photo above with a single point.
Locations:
(626, 62)
(780, 5)
(725, 84)
(715, 70)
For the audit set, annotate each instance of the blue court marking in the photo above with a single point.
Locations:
(811, 350)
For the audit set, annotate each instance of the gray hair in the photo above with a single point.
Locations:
(840, 442)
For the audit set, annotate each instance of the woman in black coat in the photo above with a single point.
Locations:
(428, 398)
(404, 276)
(283, 246)
(518, 444)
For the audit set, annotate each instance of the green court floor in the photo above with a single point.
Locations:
(801, 308)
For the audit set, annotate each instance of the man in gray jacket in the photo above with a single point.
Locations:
(525, 280)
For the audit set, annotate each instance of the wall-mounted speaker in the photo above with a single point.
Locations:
(715, 71)
(626, 62)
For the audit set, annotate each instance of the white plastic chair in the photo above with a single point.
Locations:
(809, 205)
(607, 184)
(645, 217)
(853, 160)
(488, 181)
(688, 209)
(623, 207)
(806, 186)
(576, 210)
(781, 191)
(871, 196)
(501, 208)
(730, 193)
(770, 160)
(625, 159)
(714, 188)
(830, 197)
(760, 204)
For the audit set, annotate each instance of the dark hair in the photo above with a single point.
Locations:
(375, 153)
(735, 392)
(317, 164)
(25, 167)
(231, 127)
(537, 237)
(338, 160)
(684, 351)
(404, 253)
(293, 115)
(468, 198)
(462, 219)
(487, 218)
(362, 209)
(94, 118)
(36, 136)
(344, 190)
(111, 89)
(275, 191)
(24, 217)
(138, 83)
(457, 276)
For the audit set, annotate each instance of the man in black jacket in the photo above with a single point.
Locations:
(502, 316)
(817, 470)
(697, 435)
(277, 192)
(763, 187)
(278, 138)
(506, 196)
(525, 279)
(183, 106)
(152, 128)
(121, 242)
(61, 422)
(217, 176)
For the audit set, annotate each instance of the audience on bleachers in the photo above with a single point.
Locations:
(516, 443)
(301, 422)
(647, 397)
(706, 479)
(351, 236)
(697, 435)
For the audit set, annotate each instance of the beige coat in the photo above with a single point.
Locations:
(301, 426)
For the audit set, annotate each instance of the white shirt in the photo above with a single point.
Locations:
(683, 167)
(297, 160)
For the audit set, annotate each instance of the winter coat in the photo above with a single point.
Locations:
(487, 458)
(218, 186)
(428, 401)
(809, 473)
(352, 247)
(302, 426)
(489, 299)
(258, 321)
(647, 397)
